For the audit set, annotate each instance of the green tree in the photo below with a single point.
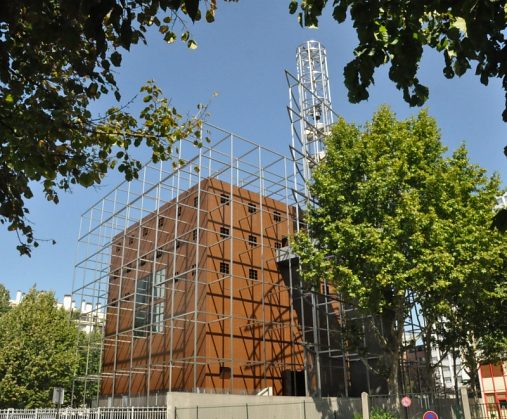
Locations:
(37, 352)
(4, 300)
(56, 57)
(397, 226)
(397, 32)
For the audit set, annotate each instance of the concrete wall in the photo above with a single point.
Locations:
(225, 406)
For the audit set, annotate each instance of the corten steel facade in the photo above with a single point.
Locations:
(183, 264)
(196, 299)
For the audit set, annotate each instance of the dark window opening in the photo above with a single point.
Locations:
(225, 372)
(278, 245)
(143, 262)
(179, 211)
(194, 234)
(118, 248)
(145, 231)
(196, 201)
(131, 240)
(224, 199)
(252, 274)
(161, 222)
(159, 253)
(285, 241)
(252, 208)
(252, 240)
(224, 232)
(224, 267)
(178, 244)
(277, 216)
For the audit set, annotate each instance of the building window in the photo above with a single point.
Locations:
(145, 231)
(160, 222)
(131, 240)
(118, 248)
(278, 245)
(252, 240)
(277, 216)
(224, 199)
(150, 304)
(224, 232)
(178, 244)
(194, 234)
(196, 201)
(159, 253)
(142, 262)
(224, 267)
(252, 274)
(225, 372)
(285, 241)
(179, 211)
(252, 208)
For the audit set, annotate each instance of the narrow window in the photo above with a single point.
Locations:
(278, 245)
(277, 216)
(145, 231)
(196, 201)
(160, 222)
(252, 240)
(194, 234)
(159, 253)
(224, 199)
(131, 240)
(179, 211)
(224, 267)
(252, 208)
(224, 232)
(252, 273)
(178, 244)
(118, 248)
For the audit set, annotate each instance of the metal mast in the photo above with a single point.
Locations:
(311, 117)
(310, 110)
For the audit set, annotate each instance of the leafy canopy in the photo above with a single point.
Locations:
(4, 300)
(398, 226)
(37, 352)
(469, 35)
(56, 57)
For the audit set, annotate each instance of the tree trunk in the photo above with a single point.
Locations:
(393, 329)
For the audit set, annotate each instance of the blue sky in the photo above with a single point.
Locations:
(242, 56)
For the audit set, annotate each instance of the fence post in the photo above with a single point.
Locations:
(365, 408)
(465, 403)
(36, 413)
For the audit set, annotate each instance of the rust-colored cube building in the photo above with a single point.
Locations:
(197, 301)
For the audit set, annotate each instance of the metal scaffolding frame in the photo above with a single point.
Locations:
(120, 223)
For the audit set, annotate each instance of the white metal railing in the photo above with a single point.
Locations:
(84, 413)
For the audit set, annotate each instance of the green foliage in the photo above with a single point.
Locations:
(4, 300)
(89, 349)
(466, 34)
(56, 57)
(382, 414)
(37, 352)
(397, 225)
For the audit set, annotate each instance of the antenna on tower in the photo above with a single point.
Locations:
(310, 112)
